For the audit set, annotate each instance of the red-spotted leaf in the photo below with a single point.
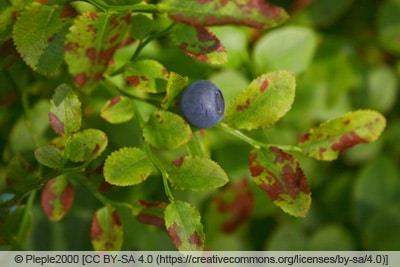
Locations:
(267, 99)
(65, 111)
(199, 43)
(196, 173)
(117, 110)
(127, 166)
(152, 213)
(280, 176)
(176, 83)
(106, 230)
(335, 136)
(57, 198)
(231, 208)
(147, 75)
(184, 226)
(39, 36)
(86, 145)
(166, 130)
(91, 43)
(253, 13)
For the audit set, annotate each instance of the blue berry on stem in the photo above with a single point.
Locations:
(202, 104)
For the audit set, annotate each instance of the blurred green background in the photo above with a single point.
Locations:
(345, 55)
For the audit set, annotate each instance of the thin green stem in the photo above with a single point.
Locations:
(24, 226)
(142, 45)
(255, 143)
(153, 159)
(107, 201)
(108, 83)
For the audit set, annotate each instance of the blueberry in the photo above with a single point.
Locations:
(202, 104)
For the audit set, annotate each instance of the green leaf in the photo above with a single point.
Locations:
(106, 230)
(176, 83)
(50, 156)
(375, 187)
(147, 75)
(127, 166)
(320, 14)
(142, 26)
(253, 13)
(87, 145)
(335, 136)
(91, 43)
(10, 11)
(280, 176)
(382, 88)
(65, 111)
(196, 173)
(199, 43)
(236, 42)
(117, 110)
(57, 198)
(268, 98)
(289, 48)
(184, 226)
(39, 36)
(389, 25)
(166, 130)
(20, 174)
(29, 132)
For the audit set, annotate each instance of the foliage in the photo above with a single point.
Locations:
(90, 121)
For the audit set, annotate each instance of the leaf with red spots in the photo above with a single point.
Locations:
(335, 136)
(280, 176)
(91, 44)
(267, 99)
(152, 213)
(199, 43)
(57, 198)
(20, 174)
(117, 110)
(196, 173)
(253, 13)
(184, 226)
(166, 130)
(86, 145)
(230, 209)
(146, 75)
(65, 111)
(176, 83)
(106, 230)
(127, 166)
(39, 36)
